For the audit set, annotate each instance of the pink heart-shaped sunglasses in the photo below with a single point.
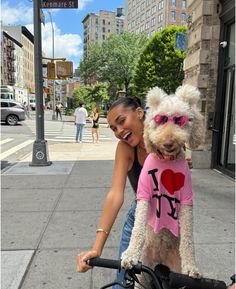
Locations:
(180, 120)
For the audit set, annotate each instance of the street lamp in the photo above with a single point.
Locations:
(54, 88)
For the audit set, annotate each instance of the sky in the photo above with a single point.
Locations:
(67, 23)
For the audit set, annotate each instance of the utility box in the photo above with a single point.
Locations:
(51, 70)
(64, 69)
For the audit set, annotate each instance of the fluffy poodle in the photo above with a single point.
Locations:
(163, 229)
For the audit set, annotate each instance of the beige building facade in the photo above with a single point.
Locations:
(26, 39)
(210, 65)
(150, 16)
(97, 27)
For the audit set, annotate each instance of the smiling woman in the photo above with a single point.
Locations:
(126, 119)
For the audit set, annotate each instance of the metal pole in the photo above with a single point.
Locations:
(54, 87)
(40, 151)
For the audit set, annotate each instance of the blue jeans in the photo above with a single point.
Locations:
(125, 238)
(79, 131)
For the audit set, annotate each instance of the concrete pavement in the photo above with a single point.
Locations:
(51, 213)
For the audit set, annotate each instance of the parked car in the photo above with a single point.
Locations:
(11, 111)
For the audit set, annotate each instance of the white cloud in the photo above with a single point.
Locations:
(65, 45)
(16, 14)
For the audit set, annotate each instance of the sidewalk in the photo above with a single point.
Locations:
(51, 213)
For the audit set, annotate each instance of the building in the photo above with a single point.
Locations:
(98, 27)
(210, 65)
(151, 16)
(9, 63)
(23, 36)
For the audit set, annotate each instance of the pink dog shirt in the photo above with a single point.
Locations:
(166, 185)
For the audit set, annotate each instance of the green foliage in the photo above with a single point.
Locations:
(92, 95)
(114, 61)
(160, 64)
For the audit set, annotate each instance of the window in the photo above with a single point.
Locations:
(173, 15)
(184, 4)
(103, 37)
(103, 29)
(4, 104)
(173, 3)
(153, 22)
(103, 21)
(154, 9)
(160, 17)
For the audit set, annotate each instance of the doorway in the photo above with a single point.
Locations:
(224, 138)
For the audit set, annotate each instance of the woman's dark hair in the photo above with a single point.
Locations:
(127, 101)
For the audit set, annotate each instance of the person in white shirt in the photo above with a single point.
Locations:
(80, 120)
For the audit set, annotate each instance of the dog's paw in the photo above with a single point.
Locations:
(191, 270)
(129, 259)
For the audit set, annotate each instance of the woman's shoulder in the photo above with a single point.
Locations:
(124, 150)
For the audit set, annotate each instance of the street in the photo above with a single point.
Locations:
(17, 141)
(51, 213)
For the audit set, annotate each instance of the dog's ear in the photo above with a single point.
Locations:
(153, 97)
(188, 93)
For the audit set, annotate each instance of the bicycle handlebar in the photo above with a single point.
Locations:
(180, 280)
(105, 263)
(176, 280)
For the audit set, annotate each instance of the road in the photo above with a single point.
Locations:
(17, 141)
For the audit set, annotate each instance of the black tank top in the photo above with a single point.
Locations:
(134, 172)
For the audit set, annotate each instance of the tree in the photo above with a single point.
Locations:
(92, 95)
(160, 64)
(115, 60)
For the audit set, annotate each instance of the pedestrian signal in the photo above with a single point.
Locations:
(51, 70)
(64, 69)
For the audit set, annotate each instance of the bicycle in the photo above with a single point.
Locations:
(161, 276)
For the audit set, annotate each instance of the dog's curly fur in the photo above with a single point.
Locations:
(164, 247)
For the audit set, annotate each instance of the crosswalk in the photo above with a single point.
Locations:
(54, 132)
(65, 132)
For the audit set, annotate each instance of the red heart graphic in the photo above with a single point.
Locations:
(172, 181)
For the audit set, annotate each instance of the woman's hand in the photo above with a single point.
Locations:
(82, 259)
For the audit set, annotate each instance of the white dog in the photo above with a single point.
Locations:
(163, 229)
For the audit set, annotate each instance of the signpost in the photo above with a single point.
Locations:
(40, 149)
(59, 4)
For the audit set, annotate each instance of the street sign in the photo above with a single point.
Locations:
(180, 41)
(64, 69)
(59, 4)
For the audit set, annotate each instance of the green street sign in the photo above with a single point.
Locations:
(59, 4)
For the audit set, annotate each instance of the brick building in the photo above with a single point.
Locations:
(151, 16)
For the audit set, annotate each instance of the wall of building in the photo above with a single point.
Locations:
(201, 64)
(150, 16)
(98, 27)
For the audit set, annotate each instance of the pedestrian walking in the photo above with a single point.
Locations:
(95, 124)
(58, 110)
(80, 115)
(26, 109)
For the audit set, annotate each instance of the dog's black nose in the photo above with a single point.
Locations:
(168, 146)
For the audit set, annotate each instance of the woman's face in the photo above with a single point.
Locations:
(127, 124)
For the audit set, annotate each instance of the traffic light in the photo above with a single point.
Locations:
(64, 69)
(51, 70)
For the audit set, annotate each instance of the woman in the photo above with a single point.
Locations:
(95, 118)
(126, 119)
